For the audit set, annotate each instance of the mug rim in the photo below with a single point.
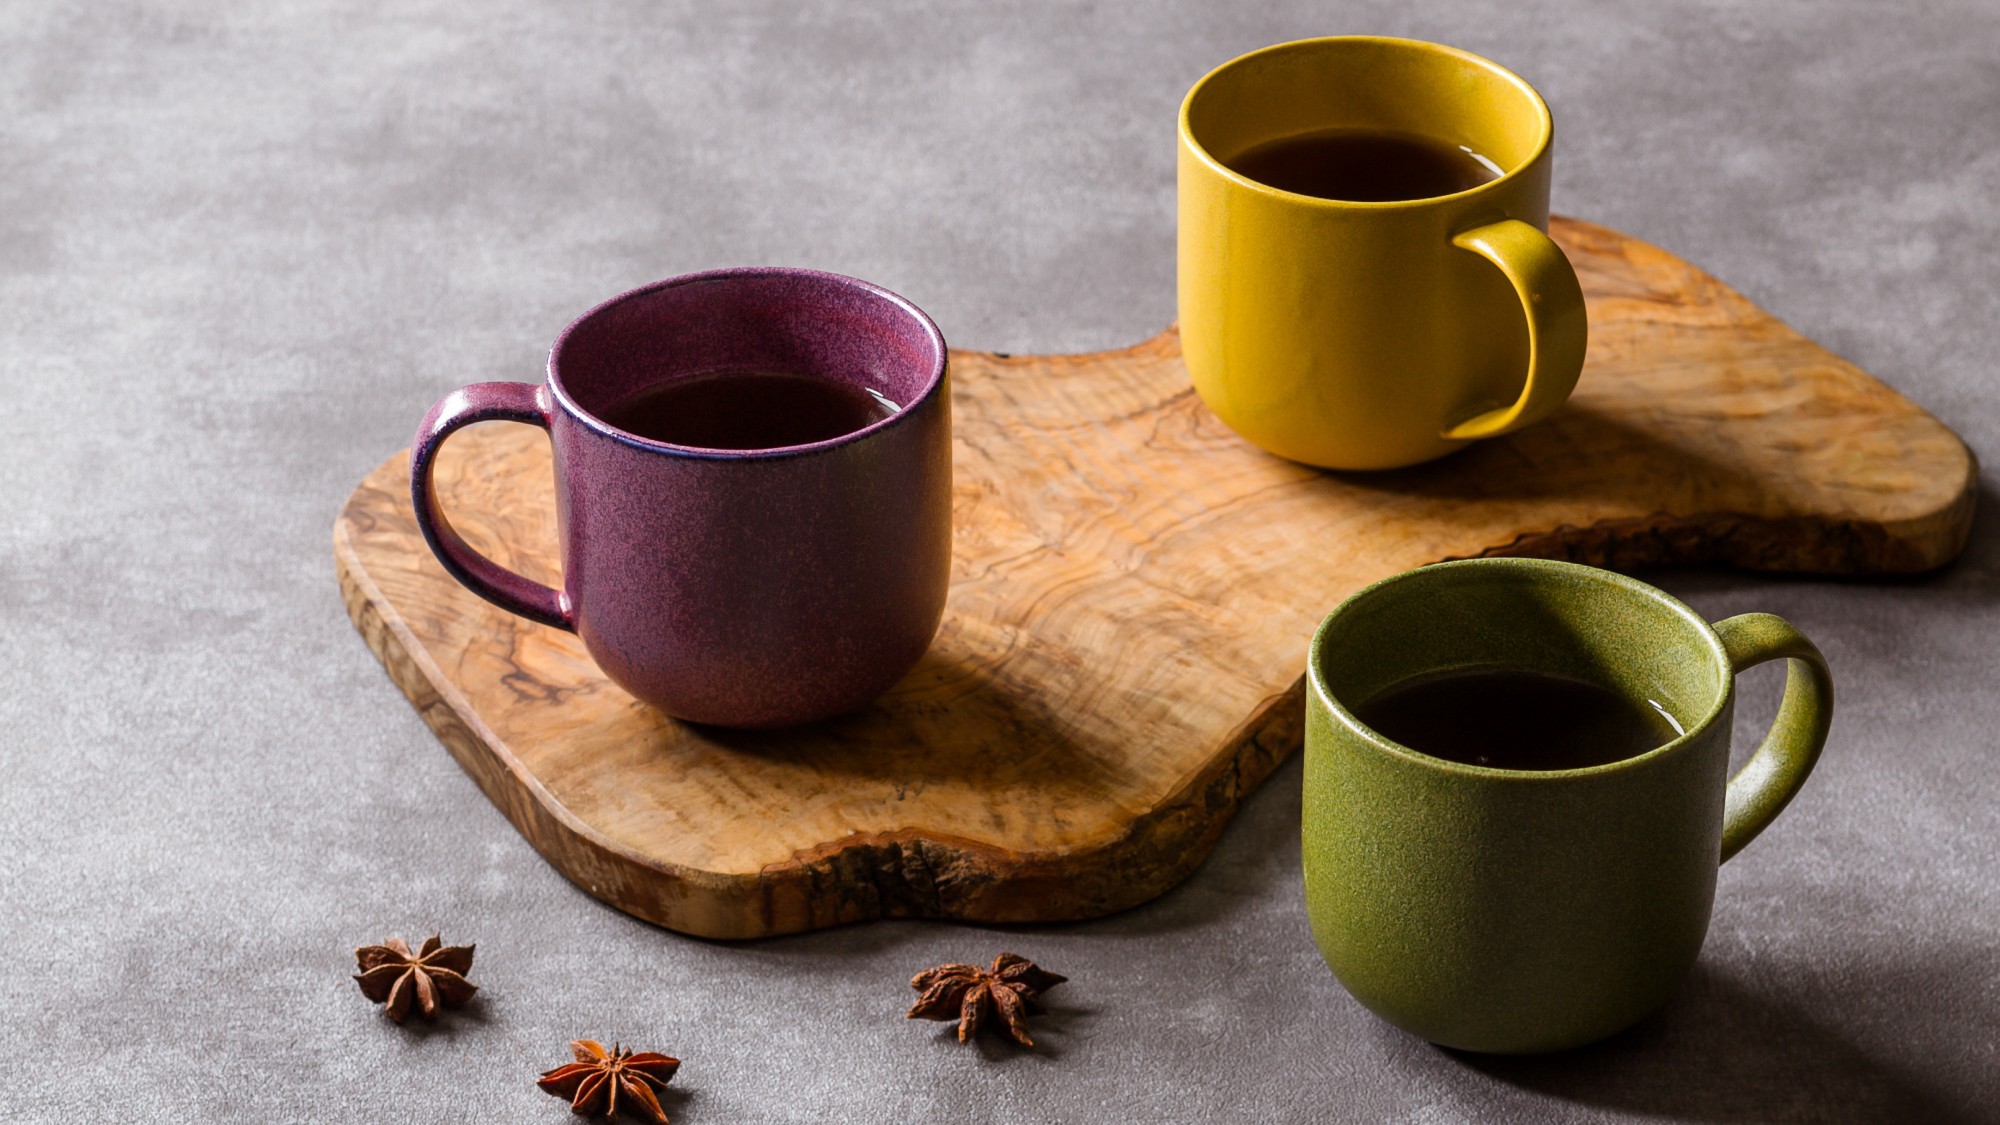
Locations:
(932, 381)
(1544, 119)
(1719, 658)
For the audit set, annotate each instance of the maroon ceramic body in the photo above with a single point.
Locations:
(749, 588)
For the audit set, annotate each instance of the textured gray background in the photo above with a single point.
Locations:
(242, 247)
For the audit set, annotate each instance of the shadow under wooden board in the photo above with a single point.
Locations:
(1132, 592)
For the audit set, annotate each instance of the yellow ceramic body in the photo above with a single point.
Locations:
(1372, 335)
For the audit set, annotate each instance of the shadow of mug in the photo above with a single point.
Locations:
(1720, 1052)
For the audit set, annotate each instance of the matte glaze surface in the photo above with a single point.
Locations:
(1514, 912)
(1372, 335)
(747, 588)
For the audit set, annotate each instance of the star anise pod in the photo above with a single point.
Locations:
(967, 993)
(432, 978)
(594, 1082)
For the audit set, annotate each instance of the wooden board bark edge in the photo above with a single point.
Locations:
(929, 874)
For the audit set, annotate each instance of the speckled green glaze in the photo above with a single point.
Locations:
(1511, 911)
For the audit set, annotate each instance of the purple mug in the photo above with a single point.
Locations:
(738, 587)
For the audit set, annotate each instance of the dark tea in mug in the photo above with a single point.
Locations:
(1515, 719)
(1364, 165)
(750, 408)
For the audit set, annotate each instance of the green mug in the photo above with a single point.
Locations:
(1517, 911)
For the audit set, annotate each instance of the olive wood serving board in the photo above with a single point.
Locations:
(1132, 592)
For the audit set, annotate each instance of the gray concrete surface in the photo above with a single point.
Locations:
(242, 247)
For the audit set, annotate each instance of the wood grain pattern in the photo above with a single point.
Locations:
(1132, 593)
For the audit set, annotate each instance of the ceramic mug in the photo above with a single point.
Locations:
(748, 588)
(1520, 911)
(1372, 335)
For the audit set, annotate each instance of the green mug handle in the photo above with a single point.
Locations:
(1558, 330)
(1772, 776)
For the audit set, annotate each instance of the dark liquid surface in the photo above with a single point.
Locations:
(1362, 165)
(747, 409)
(1516, 720)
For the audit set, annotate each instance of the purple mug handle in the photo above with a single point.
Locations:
(481, 402)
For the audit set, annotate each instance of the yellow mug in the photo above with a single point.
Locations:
(1372, 335)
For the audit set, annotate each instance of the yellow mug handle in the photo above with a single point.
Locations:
(1557, 330)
